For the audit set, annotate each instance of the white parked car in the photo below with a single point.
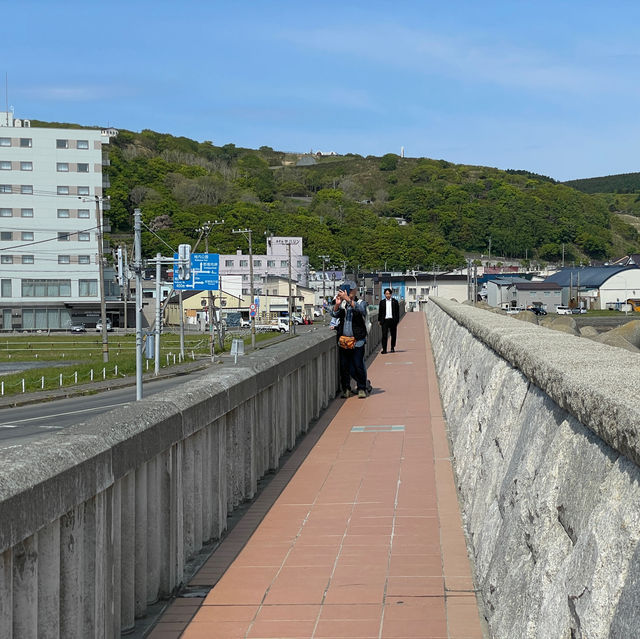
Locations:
(99, 326)
(563, 310)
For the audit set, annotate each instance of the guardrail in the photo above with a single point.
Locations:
(98, 521)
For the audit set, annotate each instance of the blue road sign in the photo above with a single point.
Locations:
(204, 273)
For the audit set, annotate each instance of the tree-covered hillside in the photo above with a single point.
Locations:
(621, 183)
(401, 213)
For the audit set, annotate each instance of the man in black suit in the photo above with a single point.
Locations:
(388, 318)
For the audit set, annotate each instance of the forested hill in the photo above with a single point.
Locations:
(402, 213)
(621, 183)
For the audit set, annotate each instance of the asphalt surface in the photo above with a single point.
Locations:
(28, 416)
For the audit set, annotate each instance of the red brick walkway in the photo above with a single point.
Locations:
(365, 539)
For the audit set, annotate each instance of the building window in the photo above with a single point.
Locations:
(63, 236)
(26, 189)
(271, 263)
(244, 262)
(25, 143)
(82, 144)
(27, 259)
(5, 141)
(411, 291)
(26, 236)
(83, 236)
(26, 212)
(83, 168)
(284, 263)
(6, 259)
(6, 236)
(46, 288)
(5, 188)
(84, 259)
(26, 166)
(63, 212)
(228, 262)
(257, 263)
(83, 190)
(62, 144)
(62, 167)
(5, 289)
(64, 259)
(299, 263)
(84, 213)
(5, 165)
(88, 288)
(6, 212)
(63, 190)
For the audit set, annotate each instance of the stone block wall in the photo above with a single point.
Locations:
(544, 433)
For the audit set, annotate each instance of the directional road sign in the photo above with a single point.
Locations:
(204, 273)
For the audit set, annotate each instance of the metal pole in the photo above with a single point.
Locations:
(253, 319)
(138, 271)
(103, 305)
(324, 258)
(292, 326)
(126, 287)
(156, 368)
(181, 311)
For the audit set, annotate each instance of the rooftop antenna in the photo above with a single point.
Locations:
(6, 95)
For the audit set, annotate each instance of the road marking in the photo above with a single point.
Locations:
(382, 428)
(17, 422)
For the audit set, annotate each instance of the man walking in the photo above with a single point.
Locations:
(388, 318)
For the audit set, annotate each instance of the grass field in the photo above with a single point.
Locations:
(78, 358)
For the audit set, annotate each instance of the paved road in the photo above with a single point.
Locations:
(24, 423)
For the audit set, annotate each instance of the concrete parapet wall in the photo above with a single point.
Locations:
(544, 432)
(99, 520)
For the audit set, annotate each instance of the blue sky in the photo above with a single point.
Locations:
(547, 86)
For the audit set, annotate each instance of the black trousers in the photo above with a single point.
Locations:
(389, 326)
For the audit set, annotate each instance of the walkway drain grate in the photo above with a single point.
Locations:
(382, 428)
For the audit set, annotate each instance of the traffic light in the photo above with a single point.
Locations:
(184, 261)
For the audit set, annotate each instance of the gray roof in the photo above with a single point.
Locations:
(538, 286)
(589, 276)
(508, 281)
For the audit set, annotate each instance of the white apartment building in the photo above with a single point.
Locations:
(274, 263)
(50, 184)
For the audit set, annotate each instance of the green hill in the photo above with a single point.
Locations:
(403, 212)
(621, 183)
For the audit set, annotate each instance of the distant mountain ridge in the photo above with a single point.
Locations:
(620, 183)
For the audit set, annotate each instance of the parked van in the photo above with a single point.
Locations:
(563, 310)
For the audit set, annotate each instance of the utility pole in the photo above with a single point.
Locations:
(324, 259)
(103, 304)
(490, 252)
(137, 267)
(247, 233)
(292, 326)
(205, 229)
(156, 368)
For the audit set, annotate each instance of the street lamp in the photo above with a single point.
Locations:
(247, 233)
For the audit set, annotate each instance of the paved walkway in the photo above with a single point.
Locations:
(365, 538)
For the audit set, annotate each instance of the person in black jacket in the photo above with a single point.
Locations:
(388, 318)
(351, 313)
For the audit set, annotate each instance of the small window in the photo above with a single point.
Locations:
(63, 190)
(299, 263)
(84, 213)
(83, 190)
(6, 236)
(26, 212)
(228, 262)
(271, 263)
(84, 259)
(64, 259)
(5, 188)
(257, 263)
(63, 212)
(25, 143)
(83, 168)
(62, 167)
(62, 144)
(5, 165)
(284, 263)
(26, 166)
(26, 189)
(26, 236)
(6, 212)
(83, 236)
(82, 144)
(63, 236)
(244, 262)
(6, 259)
(6, 288)
(5, 141)
(27, 259)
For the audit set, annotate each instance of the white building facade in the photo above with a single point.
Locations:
(50, 184)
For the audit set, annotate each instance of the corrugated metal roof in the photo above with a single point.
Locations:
(538, 286)
(590, 276)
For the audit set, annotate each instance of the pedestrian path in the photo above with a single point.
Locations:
(364, 541)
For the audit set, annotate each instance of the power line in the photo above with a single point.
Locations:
(52, 239)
